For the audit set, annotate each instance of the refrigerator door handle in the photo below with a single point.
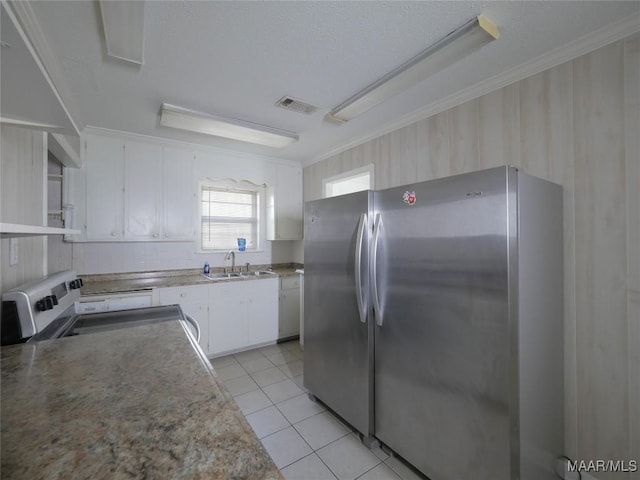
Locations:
(358, 267)
(377, 312)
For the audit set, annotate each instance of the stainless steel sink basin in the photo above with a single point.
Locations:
(221, 276)
(259, 273)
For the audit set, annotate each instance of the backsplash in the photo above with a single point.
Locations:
(97, 258)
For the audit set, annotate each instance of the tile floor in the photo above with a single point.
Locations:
(306, 441)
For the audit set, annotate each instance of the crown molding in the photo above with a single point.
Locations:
(26, 22)
(588, 43)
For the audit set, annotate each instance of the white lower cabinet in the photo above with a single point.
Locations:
(289, 314)
(232, 316)
(228, 317)
(194, 300)
(262, 309)
(243, 315)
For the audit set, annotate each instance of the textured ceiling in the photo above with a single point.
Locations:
(238, 58)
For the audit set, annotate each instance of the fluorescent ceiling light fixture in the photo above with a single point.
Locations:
(185, 119)
(123, 23)
(455, 46)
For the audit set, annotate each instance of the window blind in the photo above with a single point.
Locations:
(226, 215)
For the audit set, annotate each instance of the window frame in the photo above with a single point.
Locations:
(232, 185)
(327, 182)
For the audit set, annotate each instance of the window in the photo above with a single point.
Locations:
(226, 214)
(349, 182)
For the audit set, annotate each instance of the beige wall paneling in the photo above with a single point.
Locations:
(463, 137)
(362, 155)
(632, 153)
(546, 136)
(534, 124)
(346, 160)
(423, 161)
(545, 123)
(403, 145)
(560, 167)
(334, 166)
(308, 181)
(511, 144)
(601, 260)
(490, 130)
(23, 164)
(326, 170)
(382, 161)
(438, 141)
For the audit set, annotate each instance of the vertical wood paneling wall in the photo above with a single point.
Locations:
(23, 159)
(578, 125)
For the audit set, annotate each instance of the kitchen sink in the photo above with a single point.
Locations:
(259, 273)
(221, 276)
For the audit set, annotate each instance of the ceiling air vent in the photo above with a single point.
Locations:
(290, 103)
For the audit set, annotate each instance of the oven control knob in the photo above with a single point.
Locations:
(54, 299)
(45, 304)
(77, 283)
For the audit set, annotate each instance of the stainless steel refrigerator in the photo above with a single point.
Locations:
(434, 321)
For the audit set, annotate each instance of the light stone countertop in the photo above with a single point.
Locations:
(136, 281)
(141, 402)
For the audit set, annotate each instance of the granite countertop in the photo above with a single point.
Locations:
(141, 402)
(136, 281)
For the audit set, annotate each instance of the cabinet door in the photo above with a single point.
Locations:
(105, 184)
(263, 310)
(284, 205)
(194, 301)
(228, 317)
(179, 182)
(288, 203)
(289, 324)
(143, 191)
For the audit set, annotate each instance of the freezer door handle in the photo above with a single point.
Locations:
(377, 312)
(362, 226)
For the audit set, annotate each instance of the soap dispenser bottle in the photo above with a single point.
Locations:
(206, 268)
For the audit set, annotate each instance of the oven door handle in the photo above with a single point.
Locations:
(193, 322)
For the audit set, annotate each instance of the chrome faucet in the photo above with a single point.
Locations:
(231, 255)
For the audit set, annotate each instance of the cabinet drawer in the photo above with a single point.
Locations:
(290, 282)
(186, 294)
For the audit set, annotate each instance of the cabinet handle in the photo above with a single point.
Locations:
(156, 235)
(114, 234)
(183, 294)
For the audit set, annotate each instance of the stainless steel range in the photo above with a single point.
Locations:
(45, 309)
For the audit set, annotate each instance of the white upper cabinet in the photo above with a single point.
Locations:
(284, 204)
(143, 191)
(179, 187)
(105, 185)
(139, 191)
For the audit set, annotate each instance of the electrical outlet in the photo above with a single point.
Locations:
(13, 251)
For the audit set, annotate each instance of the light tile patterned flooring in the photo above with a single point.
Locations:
(306, 441)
